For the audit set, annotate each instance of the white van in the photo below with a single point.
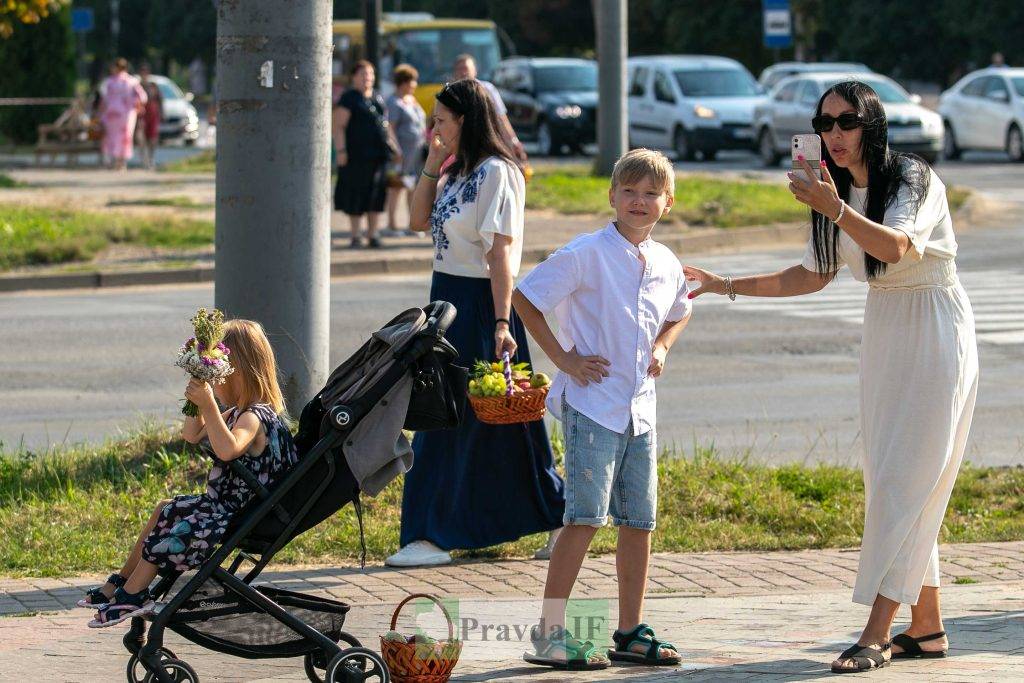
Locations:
(691, 103)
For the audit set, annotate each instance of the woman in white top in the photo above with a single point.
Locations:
(477, 485)
(885, 216)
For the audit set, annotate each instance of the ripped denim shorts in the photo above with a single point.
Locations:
(608, 473)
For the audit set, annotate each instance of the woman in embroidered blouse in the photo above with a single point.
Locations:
(458, 492)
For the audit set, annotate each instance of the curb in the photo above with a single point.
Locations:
(711, 240)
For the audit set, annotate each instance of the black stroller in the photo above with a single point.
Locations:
(403, 377)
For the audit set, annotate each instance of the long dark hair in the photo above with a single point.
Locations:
(479, 137)
(887, 172)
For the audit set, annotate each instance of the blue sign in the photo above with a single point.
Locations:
(82, 20)
(778, 24)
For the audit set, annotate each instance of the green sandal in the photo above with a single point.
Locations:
(644, 635)
(575, 655)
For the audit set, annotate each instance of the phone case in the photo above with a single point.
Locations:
(809, 145)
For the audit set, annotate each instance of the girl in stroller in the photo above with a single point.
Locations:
(183, 531)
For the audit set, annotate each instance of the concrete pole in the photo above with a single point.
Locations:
(273, 180)
(612, 52)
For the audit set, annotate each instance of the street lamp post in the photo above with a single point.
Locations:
(612, 133)
(273, 179)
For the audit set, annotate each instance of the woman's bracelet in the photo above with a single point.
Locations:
(729, 291)
(502, 320)
(429, 175)
(842, 210)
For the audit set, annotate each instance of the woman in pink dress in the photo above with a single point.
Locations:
(123, 97)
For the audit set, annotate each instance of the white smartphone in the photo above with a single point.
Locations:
(808, 145)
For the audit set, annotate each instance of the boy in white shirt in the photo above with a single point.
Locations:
(620, 300)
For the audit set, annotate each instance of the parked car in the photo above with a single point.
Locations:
(791, 105)
(691, 103)
(776, 72)
(180, 121)
(985, 110)
(552, 101)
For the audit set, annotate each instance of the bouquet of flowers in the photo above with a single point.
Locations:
(204, 356)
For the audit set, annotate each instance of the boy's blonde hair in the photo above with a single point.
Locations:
(255, 366)
(637, 164)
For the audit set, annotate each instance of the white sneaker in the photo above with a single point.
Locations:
(545, 552)
(419, 554)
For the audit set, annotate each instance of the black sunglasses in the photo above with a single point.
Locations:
(847, 121)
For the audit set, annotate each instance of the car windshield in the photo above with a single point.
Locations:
(565, 77)
(888, 93)
(716, 83)
(1018, 85)
(432, 51)
(169, 90)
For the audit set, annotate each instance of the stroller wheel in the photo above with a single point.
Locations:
(318, 660)
(137, 673)
(178, 670)
(356, 665)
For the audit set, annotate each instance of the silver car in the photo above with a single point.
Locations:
(179, 120)
(985, 110)
(791, 105)
(776, 72)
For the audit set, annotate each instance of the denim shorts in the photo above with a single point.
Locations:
(608, 473)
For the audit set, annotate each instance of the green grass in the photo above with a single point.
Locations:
(76, 510)
(178, 202)
(7, 182)
(203, 162)
(700, 200)
(39, 236)
(956, 196)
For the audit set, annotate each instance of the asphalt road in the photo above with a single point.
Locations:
(770, 380)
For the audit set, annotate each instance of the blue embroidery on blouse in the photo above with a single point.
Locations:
(447, 205)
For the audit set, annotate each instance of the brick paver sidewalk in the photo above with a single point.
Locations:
(776, 615)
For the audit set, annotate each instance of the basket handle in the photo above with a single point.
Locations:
(451, 625)
(506, 362)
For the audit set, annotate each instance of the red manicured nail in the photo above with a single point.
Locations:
(823, 164)
(800, 157)
(689, 295)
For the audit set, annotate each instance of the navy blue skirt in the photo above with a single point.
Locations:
(480, 485)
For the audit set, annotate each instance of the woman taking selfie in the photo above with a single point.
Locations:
(885, 216)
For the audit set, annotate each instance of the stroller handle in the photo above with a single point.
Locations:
(440, 315)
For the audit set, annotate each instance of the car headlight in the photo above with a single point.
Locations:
(703, 112)
(931, 126)
(568, 111)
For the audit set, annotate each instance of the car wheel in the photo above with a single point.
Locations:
(766, 149)
(546, 145)
(1015, 144)
(949, 147)
(681, 145)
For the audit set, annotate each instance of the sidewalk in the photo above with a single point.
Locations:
(735, 616)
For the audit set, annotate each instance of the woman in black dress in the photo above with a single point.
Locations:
(362, 141)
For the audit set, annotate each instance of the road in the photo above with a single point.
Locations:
(774, 380)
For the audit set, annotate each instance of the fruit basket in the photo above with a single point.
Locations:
(503, 393)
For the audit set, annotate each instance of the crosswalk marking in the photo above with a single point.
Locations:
(997, 297)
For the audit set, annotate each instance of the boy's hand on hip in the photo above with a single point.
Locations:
(658, 355)
(583, 369)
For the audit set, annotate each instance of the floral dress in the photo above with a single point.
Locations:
(191, 526)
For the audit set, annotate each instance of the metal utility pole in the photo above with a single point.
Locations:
(115, 28)
(374, 18)
(612, 52)
(273, 180)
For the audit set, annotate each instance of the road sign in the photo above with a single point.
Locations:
(778, 24)
(82, 20)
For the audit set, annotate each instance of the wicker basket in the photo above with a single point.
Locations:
(409, 665)
(512, 408)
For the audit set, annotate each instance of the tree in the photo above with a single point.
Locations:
(38, 61)
(14, 12)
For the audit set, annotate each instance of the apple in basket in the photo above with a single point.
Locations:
(539, 380)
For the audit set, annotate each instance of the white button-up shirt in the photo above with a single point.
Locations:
(610, 298)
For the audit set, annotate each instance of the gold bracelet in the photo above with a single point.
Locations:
(428, 175)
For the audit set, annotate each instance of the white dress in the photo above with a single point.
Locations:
(918, 381)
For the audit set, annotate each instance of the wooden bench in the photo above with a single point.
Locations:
(68, 135)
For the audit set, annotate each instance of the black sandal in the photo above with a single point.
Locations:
(644, 635)
(912, 650)
(866, 658)
(95, 597)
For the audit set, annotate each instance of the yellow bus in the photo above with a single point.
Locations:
(429, 44)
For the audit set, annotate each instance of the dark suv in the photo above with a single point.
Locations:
(550, 100)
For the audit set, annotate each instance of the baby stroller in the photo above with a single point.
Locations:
(350, 440)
